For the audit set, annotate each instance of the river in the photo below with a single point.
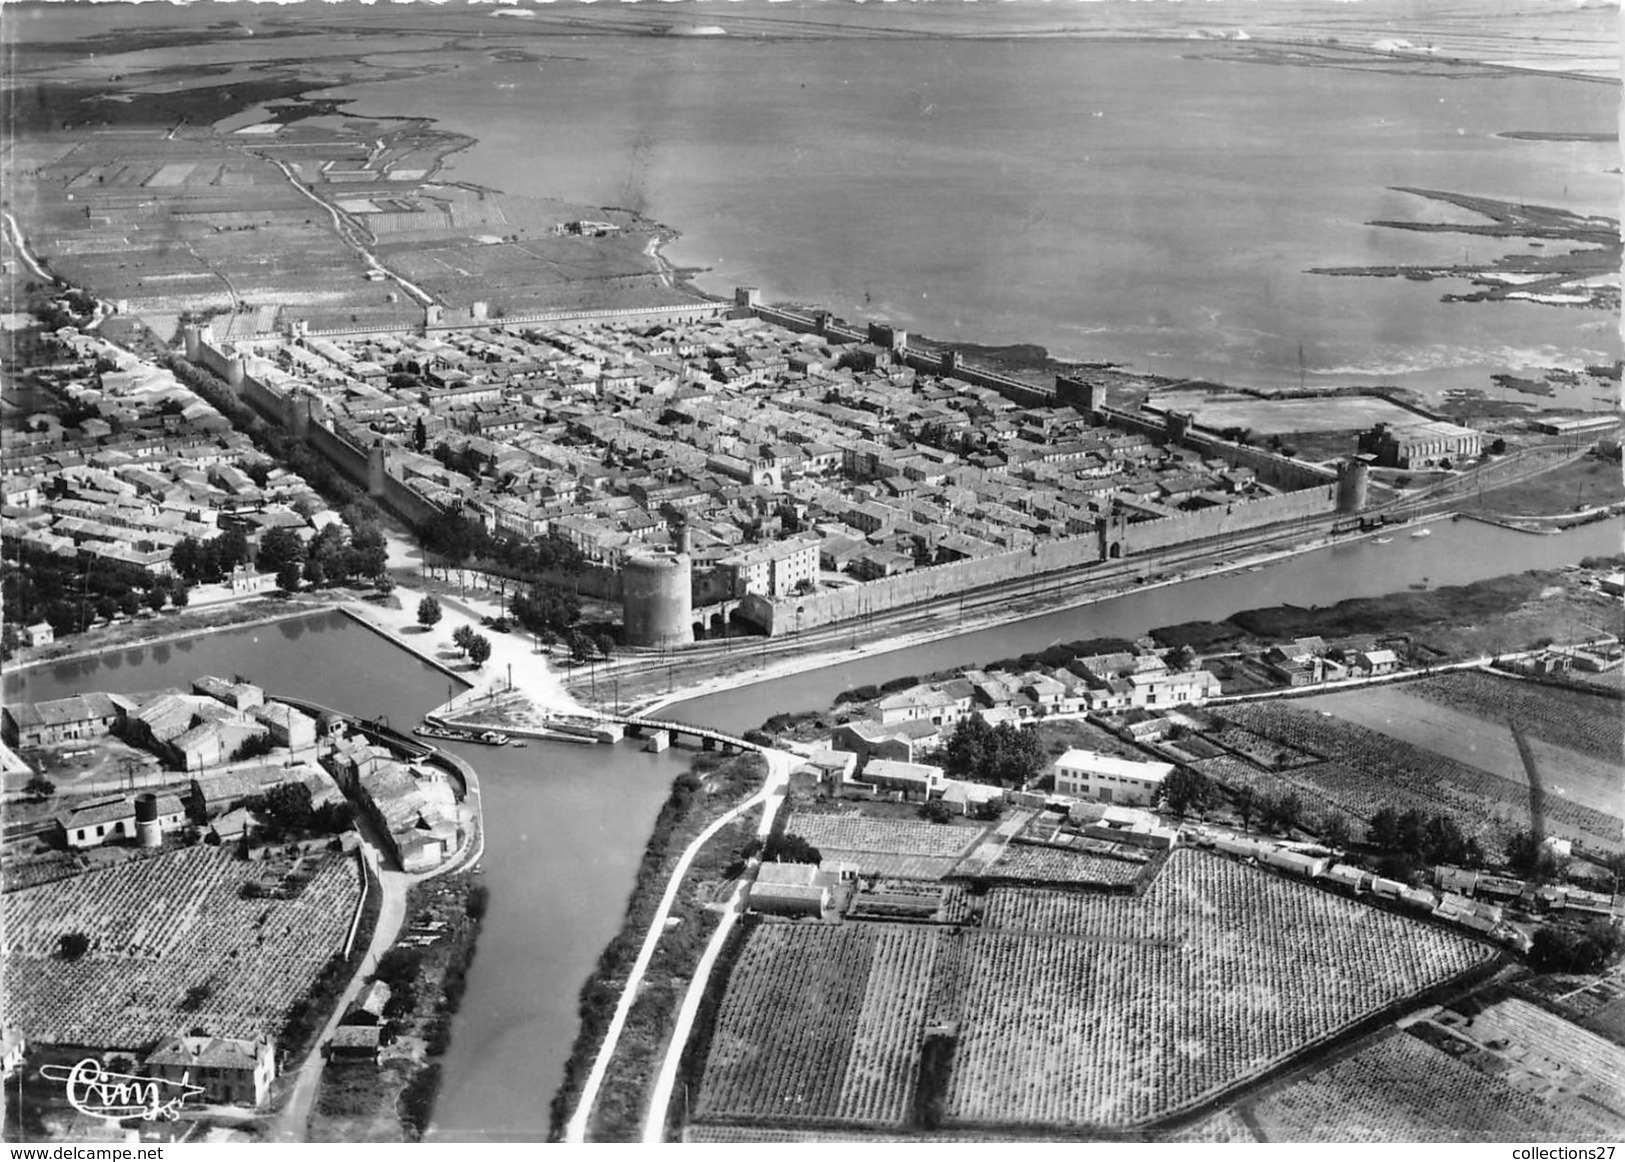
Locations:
(566, 825)
(560, 855)
(1456, 553)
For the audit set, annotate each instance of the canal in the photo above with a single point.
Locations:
(1455, 553)
(566, 825)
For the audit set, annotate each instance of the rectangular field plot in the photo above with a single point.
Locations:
(1401, 1089)
(786, 1027)
(1543, 1055)
(1024, 861)
(1572, 718)
(889, 836)
(158, 927)
(1484, 739)
(1069, 1009)
(1481, 802)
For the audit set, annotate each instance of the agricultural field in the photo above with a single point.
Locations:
(1571, 718)
(1484, 739)
(1027, 862)
(905, 848)
(183, 224)
(1593, 1002)
(163, 928)
(1391, 769)
(1540, 1055)
(1071, 1010)
(1401, 1089)
(788, 1025)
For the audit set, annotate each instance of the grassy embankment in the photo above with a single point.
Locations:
(392, 1102)
(623, 1100)
(1500, 614)
(712, 786)
(141, 632)
(1589, 482)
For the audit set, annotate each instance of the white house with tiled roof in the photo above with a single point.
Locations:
(231, 1071)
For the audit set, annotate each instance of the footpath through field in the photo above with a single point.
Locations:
(654, 1125)
(770, 796)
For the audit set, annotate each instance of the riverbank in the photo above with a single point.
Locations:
(711, 789)
(514, 663)
(127, 635)
(391, 1100)
(988, 609)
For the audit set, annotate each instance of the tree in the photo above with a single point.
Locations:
(1335, 830)
(479, 649)
(936, 811)
(1587, 950)
(278, 547)
(428, 611)
(1281, 812)
(420, 435)
(40, 787)
(180, 596)
(73, 945)
(1006, 754)
(287, 577)
(1522, 851)
(1443, 842)
(1185, 792)
(605, 644)
(790, 848)
(462, 637)
(1383, 830)
(1246, 805)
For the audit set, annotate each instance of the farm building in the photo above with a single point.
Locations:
(1296, 862)
(1456, 879)
(355, 1043)
(233, 825)
(93, 824)
(289, 727)
(789, 889)
(240, 695)
(41, 633)
(222, 791)
(1375, 662)
(417, 828)
(964, 798)
(903, 741)
(231, 1072)
(911, 780)
(61, 720)
(1090, 775)
(828, 770)
(1351, 878)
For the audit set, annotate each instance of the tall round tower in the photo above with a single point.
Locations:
(148, 832)
(657, 599)
(1353, 487)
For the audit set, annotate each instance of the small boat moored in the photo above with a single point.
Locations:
(1422, 533)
